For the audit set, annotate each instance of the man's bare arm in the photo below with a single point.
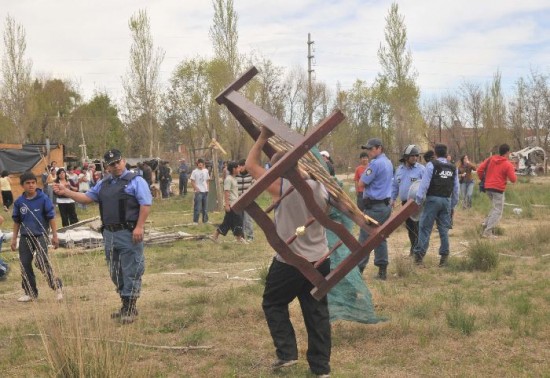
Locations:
(254, 166)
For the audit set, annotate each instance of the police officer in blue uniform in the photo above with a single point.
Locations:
(124, 203)
(376, 184)
(439, 192)
(409, 172)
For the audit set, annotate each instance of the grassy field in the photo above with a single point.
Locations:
(487, 314)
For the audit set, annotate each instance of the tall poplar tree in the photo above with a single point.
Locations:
(16, 78)
(142, 84)
(398, 74)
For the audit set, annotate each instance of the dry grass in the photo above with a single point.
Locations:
(442, 322)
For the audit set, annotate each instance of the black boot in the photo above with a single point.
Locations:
(129, 314)
(443, 260)
(118, 314)
(382, 272)
(418, 258)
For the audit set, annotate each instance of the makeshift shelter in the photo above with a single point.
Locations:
(19, 158)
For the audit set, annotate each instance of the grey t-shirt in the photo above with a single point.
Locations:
(230, 185)
(292, 213)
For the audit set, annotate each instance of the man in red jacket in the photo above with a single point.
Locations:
(498, 170)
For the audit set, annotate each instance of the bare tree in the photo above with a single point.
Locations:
(452, 113)
(16, 78)
(517, 114)
(538, 108)
(494, 115)
(142, 81)
(472, 103)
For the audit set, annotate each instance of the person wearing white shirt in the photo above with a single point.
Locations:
(199, 180)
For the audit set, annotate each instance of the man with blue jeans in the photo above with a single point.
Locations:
(439, 192)
(376, 185)
(199, 179)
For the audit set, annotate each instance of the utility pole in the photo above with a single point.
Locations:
(439, 116)
(310, 57)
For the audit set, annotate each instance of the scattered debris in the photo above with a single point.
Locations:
(86, 234)
(529, 161)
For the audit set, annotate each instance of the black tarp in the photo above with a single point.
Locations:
(21, 160)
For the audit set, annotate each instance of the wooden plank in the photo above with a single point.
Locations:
(264, 118)
(374, 239)
(237, 84)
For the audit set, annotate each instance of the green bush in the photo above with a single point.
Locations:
(460, 320)
(482, 256)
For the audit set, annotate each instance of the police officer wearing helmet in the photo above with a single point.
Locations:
(409, 172)
(439, 192)
(124, 203)
(376, 184)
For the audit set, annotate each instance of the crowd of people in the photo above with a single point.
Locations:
(438, 187)
(125, 198)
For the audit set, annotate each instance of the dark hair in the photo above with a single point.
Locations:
(440, 150)
(363, 154)
(58, 173)
(503, 149)
(27, 176)
(5, 173)
(231, 166)
(242, 162)
(462, 159)
(200, 161)
(428, 155)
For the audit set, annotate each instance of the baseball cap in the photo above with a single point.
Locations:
(371, 143)
(112, 156)
(325, 154)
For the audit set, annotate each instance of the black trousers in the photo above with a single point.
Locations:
(183, 185)
(68, 213)
(165, 188)
(412, 229)
(38, 245)
(232, 221)
(283, 284)
(7, 198)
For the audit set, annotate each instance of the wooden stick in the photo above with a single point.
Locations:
(165, 347)
(309, 222)
(276, 203)
(326, 255)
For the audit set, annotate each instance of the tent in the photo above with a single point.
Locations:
(18, 158)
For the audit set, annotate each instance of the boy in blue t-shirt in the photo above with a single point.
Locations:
(33, 215)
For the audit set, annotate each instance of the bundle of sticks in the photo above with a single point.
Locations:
(310, 164)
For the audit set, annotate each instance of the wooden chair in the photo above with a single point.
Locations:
(298, 154)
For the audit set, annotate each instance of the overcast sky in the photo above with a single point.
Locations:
(88, 42)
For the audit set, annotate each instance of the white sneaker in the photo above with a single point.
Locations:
(25, 298)
(59, 294)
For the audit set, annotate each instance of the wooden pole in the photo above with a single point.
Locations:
(216, 178)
